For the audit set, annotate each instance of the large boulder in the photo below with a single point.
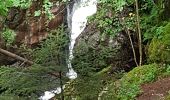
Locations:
(95, 51)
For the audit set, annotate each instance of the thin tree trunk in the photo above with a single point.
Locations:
(139, 32)
(130, 39)
(15, 56)
(133, 49)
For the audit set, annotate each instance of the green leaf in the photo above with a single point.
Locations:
(37, 13)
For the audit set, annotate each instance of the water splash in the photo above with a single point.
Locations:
(50, 94)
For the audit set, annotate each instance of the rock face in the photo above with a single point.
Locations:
(118, 48)
(31, 29)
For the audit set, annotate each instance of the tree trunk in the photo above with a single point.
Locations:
(15, 56)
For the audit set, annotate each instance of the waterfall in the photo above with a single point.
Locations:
(81, 10)
(77, 20)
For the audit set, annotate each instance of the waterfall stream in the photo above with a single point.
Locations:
(81, 10)
(77, 20)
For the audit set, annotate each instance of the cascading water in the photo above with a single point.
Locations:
(77, 20)
(81, 10)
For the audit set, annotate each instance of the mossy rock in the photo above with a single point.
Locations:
(130, 83)
(138, 75)
(128, 87)
(159, 49)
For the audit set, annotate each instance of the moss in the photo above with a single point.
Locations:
(138, 75)
(130, 83)
(165, 72)
(128, 87)
(159, 49)
(167, 97)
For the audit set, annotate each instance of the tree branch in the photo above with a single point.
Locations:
(15, 56)
(122, 21)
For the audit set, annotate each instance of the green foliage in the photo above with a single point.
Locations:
(85, 89)
(130, 83)
(159, 48)
(117, 4)
(4, 6)
(168, 97)
(107, 25)
(25, 82)
(152, 21)
(22, 3)
(53, 49)
(113, 15)
(32, 81)
(128, 87)
(88, 88)
(89, 60)
(47, 6)
(37, 13)
(9, 36)
(168, 69)
(13, 97)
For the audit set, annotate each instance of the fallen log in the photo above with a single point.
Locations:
(15, 56)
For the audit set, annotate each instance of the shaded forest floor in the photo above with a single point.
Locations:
(155, 91)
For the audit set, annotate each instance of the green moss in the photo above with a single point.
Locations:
(165, 72)
(168, 97)
(128, 87)
(130, 83)
(138, 75)
(159, 49)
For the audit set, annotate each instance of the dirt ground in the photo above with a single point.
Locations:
(155, 91)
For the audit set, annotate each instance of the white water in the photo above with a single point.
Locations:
(50, 94)
(81, 10)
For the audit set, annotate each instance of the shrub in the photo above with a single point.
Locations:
(9, 36)
(33, 81)
(159, 48)
(88, 60)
